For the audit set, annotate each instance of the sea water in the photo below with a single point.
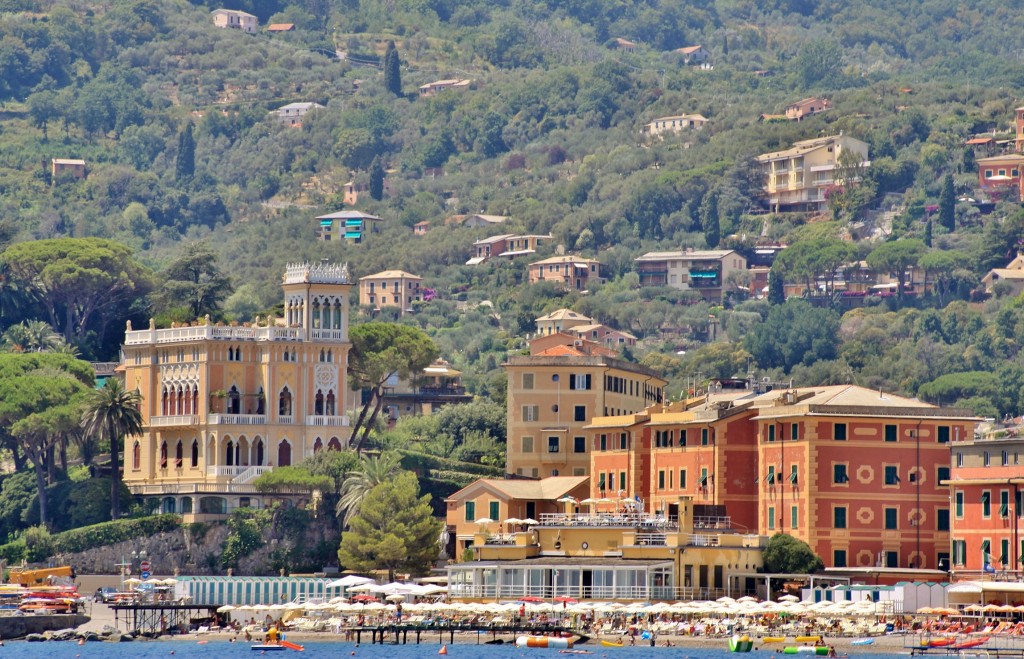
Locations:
(464, 648)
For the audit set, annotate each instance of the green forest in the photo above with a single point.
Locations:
(196, 195)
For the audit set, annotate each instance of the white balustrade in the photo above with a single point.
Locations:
(173, 420)
(329, 421)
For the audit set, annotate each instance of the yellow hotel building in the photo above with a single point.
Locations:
(222, 405)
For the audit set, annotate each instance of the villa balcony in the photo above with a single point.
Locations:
(237, 419)
(221, 332)
(327, 421)
(174, 421)
(328, 335)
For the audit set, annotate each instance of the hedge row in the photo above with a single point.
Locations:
(88, 537)
(416, 460)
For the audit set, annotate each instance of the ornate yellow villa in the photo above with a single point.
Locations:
(224, 404)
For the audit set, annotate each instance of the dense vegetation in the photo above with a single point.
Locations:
(196, 196)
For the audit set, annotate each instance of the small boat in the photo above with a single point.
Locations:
(938, 642)
(575, 652)
(808, 639)
(610, 644)
(556, 642)
(739, 643)
(863, 641)
(773, 639)
(267, 647)
(810, 649)
(966, 645)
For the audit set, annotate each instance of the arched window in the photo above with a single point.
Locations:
(284, 453)
(334, 444)
(330, 356)
(284, 407)
(234, 401)
(229, 454)
(195, 399)
(323, 355)
(195, 453)
(136, 456)
(163, 455)
(318, 405)
(172, 403)
(258, 445)
(329, 410)
(163, 401)
(179, 455)
(317, 445)
(186, 505)
(261, 402)
(188, 401)
(181, 401)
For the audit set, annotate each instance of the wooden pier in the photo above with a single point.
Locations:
(398, 634)
(162, 617)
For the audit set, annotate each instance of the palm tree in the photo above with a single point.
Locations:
(33, 336)
(113, 411)
(373, 470)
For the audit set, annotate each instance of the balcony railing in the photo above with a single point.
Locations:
(251, 473)
(328, 335)
(651, 539)
(515, 591)
(229, 472)
(200, 488)
(285, 418)
(175, 420)
(329, 421)
(443, 391)
(238, 419)
(640, 520)
(221, 332)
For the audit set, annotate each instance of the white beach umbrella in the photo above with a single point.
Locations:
(227, 608)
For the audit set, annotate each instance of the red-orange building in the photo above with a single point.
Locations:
(853, 472)
(986, 490)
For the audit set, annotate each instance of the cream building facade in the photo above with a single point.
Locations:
(222, 405)
(797, 178)
(391, 288)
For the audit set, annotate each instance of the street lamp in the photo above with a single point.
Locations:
(126, 565)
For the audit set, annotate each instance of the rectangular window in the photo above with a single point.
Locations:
(943, 434)
(1018, 501)
(959, 552)
(891, 519)
(793, 474)
(839, 432)
(839, 474)
(1004, 503)
(1004, 458)
(984, 459)
(892, 559)
(527, 444)
(793, 517)
(890, 433)
(703, 436)
(531, 412)
(579, 382)
(958, 502)
(622, 441)
(682, 479)
(579, 444)
(771, 433)
(942, 519)
(622, 481)
(839, 558)
(771, 518)
(671, 479)
(494, 511)
(770, 478)
(471, 511)
(553, 445)
(942, 475)
(661, 479)
(794, 431)
(892, 476)
(959, 459)
(703, 478)
(839, 517)
(580, 412)
(603, 443)
(1004, 551)
(600, 481)
(527, 380)
(986, 504)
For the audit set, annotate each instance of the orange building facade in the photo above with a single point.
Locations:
(856, 474)
(222, 405)
(986, 489)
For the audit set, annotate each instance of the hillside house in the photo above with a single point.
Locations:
(625, 45)
(675, 124)
(235, 19)
(573, 272)
(67, 167)
(352, 226)
(391, 288)
(797, 179)
(1012, 274)
(693, 54)
(562, 320)
(438, 86)
(281, 27)
(1001, 174)
(434, 387)
(421, 228)
(706, 272)
(807, 107)
(292, 114)
(478, 220)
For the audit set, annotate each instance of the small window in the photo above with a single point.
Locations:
(943, 434)
(579, 444)
(891, 519)
(771, 518)
(986, 504)
(839, 517)
(890, 433)
(622, 480)
(839, 558)
(527, 444)
(494, 510)
(892, 559)
(892, 476)
(580, 412)
(661, 479)
(553, 444)
(794, 431)
(527, 380)
(839, 432)
(682, 479)
(470, 511)
(958, 502)
(942, 519)
(793, 475)
(942, 475)
(839, 474)
(771, 433)
(794, 517)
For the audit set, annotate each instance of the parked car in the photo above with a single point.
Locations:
(104, 594)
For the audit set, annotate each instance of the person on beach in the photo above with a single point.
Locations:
(831, 651)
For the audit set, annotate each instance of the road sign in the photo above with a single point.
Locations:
(144, 566)
(146, 574)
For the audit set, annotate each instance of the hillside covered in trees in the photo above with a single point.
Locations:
(173, 119)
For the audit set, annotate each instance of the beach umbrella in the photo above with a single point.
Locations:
(154, 582)
(395, 598)
(349, 580)
(529, 521)
(531, 599)
(789, 598)
(485, 520)
(590, 500)
(227, 608)
(361, 589)
(566, 499)
(747, 598)
(513, 520)
(132, 582)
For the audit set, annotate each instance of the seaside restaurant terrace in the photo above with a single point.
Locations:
(622, 554)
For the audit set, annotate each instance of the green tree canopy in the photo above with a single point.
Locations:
(895, 257)
(794, 333)
(195, 281)
(788, 555)
(393, 530)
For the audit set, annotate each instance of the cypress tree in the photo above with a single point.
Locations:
(377, 179)
(710, 221)
(970, 163)
(947, 204)
(185, 165)
(392, 74)
(928, 233)
(776, 288)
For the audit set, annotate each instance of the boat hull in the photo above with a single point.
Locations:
(556, 642)
(740, 644)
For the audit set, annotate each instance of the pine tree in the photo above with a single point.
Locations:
(185, 165)
(392, 74)
(710, 221)
(928, 233)
(377, 179)
(776, 288)
(947, 204)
